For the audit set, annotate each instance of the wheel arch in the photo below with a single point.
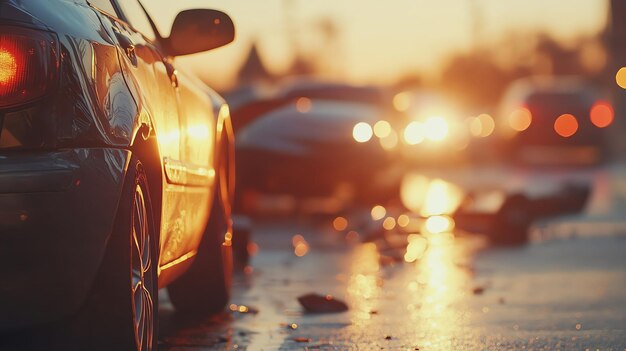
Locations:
(146, 149)
(225, 155)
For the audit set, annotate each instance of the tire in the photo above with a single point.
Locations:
(122, 311)
(241, 240)
(205, 288)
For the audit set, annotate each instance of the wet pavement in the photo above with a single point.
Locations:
(565, 290)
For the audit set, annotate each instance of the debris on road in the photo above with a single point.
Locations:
(478, 290)
(509, 224)
(302, 339)
(223, 339)
(314, 303)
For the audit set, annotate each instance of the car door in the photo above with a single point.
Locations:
(155, 83)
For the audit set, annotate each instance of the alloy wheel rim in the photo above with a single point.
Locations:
(141, 278)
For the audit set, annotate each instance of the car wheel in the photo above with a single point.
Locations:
(144, 284)
(121, 312)
(205, 287)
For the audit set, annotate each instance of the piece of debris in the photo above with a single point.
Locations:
(510, 223)
(388, 337)
(478, 290)
(302, 339)
(314, 303)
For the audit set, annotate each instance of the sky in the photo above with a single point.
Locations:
(377, 41)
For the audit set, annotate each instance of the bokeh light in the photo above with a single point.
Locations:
(389, 223)
(402, 101)
(303, 105)
(403, 220)
(566, 125)
(378, 212)
(300, 246)
(602, 114)
(362, 132)
(382, 129)
(340, 223)
(414, 133)
(436, 128)
(352, 236)
(439, 224)
(482, 126)
(620, 78)
(520, 119)
(441, 197)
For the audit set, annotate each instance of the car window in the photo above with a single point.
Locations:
(104, 5)
(137, 17)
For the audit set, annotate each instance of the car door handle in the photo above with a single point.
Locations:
(127, 45)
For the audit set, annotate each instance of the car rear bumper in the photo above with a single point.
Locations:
(56, 214)
(554, 155)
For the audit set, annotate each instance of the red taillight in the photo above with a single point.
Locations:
(8, 67)
(602, 114)
(566, 125)
(28, 65)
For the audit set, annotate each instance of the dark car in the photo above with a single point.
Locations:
(251, 101)
(311, 147)
(116, 172)
(555, 121)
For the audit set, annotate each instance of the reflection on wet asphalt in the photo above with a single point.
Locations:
(456, 294)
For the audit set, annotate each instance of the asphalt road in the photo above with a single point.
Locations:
(564, 290)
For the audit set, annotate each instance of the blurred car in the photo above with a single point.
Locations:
(321, 90)
(309, 147)
(116, 171)
(249, 102)
(555, 121)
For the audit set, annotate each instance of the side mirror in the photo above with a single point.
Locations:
(199, 30)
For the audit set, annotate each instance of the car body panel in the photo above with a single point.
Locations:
(186, 197)
(57, 210)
